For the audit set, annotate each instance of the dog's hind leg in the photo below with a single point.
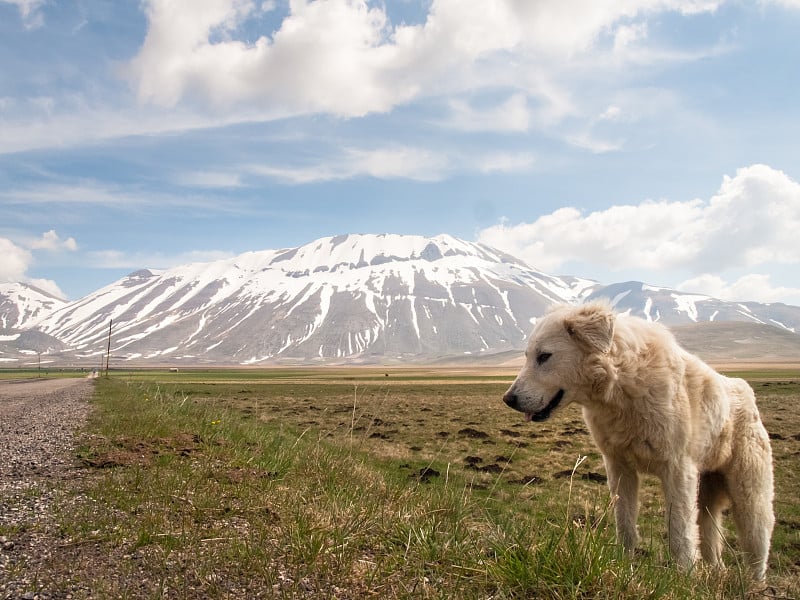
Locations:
(751, 489)
(713, 499)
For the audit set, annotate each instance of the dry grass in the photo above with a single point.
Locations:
(351, 483)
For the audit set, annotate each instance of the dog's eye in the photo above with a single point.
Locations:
(542, 357)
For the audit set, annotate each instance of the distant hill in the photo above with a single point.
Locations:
(715, 342)
(739, 341)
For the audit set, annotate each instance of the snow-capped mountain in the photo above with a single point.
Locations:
(674, 308)
(354, 296)
(357, 298)
(23, 305)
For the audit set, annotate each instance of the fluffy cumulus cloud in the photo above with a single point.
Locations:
(50, 240)
(750, 223)
(15, 261)
(661, 233)
(326, 57)
(19, 257)
(345, 57)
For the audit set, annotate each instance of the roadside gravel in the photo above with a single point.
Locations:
(38, 424)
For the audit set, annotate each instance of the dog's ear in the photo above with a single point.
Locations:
(591, 325)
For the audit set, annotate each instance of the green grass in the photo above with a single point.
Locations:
(350, 484)
(44, 372)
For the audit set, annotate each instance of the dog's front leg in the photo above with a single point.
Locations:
(623, 481)
(681, 483)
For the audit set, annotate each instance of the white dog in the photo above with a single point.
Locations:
(654, 408)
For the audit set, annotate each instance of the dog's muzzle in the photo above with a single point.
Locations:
(512, 400)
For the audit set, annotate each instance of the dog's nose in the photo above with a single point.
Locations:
(510, 398)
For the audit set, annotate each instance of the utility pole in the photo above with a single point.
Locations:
(108, 350)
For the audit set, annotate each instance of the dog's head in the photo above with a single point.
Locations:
(556, 368)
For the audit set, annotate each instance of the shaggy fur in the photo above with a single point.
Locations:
(654, 408)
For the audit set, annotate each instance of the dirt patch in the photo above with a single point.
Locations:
(425, 474)
(127, 452)
(509, 433)
(473, 433)
(528, 480)
(588, 476)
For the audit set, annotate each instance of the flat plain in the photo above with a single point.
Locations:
(375, 482)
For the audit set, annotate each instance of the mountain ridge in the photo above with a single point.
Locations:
(352, 298)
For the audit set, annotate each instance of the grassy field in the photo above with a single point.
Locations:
(358, 483)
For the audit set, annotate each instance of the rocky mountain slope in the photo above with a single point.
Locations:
(23, 305)
(358, 297)
(354, 298)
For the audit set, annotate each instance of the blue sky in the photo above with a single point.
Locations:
(654, 140)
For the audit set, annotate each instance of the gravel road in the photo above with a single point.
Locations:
(38, 422)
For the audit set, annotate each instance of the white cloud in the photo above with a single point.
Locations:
(506, 162)
(386, 163)
(47, 285)
(752, 220)
(512, 116)
(592, 143)
(326, 57)
(117, 259)
(393, 162)
(30, 12)
(15, 264)
(83, 196)
(15, 261)
(199, 66)
(612, 113)
(750, 223)
(628, 35)
(402, 162)
(651, 235)
(69, 125)
(209, 179)
(791, 4)
(51, 241)
(345, 58)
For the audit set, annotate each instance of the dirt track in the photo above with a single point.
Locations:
(38, 422)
